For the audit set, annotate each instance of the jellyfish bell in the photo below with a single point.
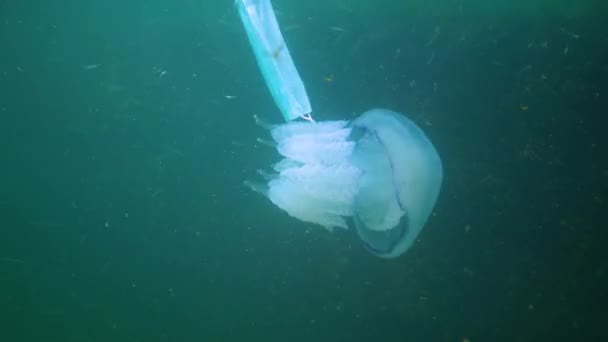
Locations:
(379, 171)
(402, 176)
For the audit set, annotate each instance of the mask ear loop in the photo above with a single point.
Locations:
(307, 117)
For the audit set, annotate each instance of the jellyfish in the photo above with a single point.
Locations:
(378, 173)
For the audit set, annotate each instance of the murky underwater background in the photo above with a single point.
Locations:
(127, 132)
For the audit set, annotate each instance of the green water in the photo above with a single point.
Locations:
(127, 132)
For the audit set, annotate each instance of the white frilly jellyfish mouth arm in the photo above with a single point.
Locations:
(379, 171)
